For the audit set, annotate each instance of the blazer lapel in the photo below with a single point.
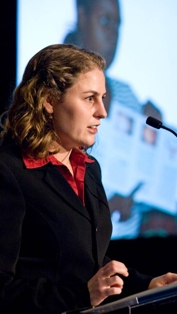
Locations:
(61, 187)
(91, 196)
(53, 178)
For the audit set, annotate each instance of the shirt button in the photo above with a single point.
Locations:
(96, 229)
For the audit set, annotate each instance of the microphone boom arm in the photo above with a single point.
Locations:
(164, 127)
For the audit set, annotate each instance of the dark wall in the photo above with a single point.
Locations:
(8, 52)
(154, 255)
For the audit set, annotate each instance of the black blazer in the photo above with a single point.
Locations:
(50, 244)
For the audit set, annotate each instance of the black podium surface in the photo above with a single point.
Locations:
(158, 300)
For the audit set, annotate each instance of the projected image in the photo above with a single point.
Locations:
(137, 40)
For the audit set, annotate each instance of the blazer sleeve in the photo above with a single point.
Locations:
(136, 281)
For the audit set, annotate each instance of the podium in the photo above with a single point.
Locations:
(161, 300)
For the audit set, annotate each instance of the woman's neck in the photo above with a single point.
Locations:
(64, 158)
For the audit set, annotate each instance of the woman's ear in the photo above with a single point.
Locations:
(48, 106)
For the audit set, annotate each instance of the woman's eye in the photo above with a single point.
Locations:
(90, 98)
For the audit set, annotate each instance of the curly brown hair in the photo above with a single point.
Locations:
(48, 75)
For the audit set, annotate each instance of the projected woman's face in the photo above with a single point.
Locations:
(100, 28)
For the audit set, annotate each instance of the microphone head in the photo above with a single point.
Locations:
(155, 123)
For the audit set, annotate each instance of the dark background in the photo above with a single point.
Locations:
(155, 255)
(8, 52)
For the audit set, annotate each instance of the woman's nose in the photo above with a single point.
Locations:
(101, 111)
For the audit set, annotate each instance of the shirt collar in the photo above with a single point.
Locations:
(77, 156)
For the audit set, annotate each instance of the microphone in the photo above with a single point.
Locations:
(157, 124)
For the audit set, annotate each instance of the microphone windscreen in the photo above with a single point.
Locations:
(155, 123)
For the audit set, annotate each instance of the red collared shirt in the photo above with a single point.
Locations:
(77, 159)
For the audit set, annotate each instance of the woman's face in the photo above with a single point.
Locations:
(77, 117)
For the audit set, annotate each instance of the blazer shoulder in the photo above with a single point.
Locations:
(10, 155)
(94, 164)
(94, 168)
